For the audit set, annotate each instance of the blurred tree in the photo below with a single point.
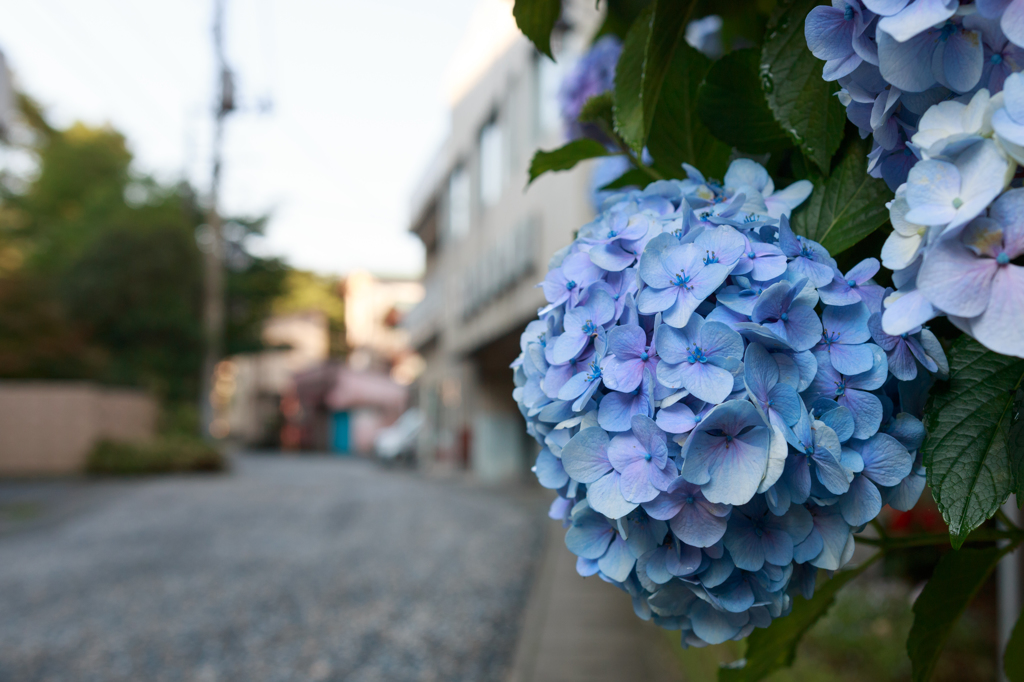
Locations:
(305, 291)
(101, 272)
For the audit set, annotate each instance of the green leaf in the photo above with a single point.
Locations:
(845, 207)
(966, 450)
(803, 102)
(619, 16)
(536, 19)
(565, 157)
(597, 108)
(957, 578)
(731, 104)
(775, 646)
(646, 54)
(1013, 654)
(677, 134)
(634, 177)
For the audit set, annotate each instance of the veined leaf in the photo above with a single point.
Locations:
(677, 134)
(646, 54)
(845, 207)
(966, 451)
(536, 19)
(957, 578)
(775, 646)
(731, 104)
(565, 157)
(803, 102)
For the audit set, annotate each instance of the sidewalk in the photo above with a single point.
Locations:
(583, 629)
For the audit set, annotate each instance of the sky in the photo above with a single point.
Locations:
(356, 94)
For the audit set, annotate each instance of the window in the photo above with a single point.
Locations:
(492, 163)
(458, 203)
(548, 77)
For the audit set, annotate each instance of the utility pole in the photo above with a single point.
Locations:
(213, 270)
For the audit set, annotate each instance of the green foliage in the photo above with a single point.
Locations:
(536, 19)
(846, 206)
(1013, 654)
(161, 456)
(957, 578)
(775, 647)
(1015, 445)
(677, 134)
(106, 284)
(647, 53)
(733, 107)
(565, 157)
(801, 100)
(966, 451)
(634, 177)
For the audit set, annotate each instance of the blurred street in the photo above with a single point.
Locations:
(284, 569)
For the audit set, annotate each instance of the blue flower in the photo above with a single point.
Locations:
(756, 536)
(845, 331)
(727, 453)
(883, 462)
(779, 310)
(678, 278)
(692, 518)
(700, 358)
(852, 391)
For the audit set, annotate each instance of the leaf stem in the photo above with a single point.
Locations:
(936, 539)
(1006, 521)
(628, 151)
(880, 528)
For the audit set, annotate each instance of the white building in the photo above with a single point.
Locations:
(488, 240)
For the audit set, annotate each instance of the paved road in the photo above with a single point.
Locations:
(286, 569)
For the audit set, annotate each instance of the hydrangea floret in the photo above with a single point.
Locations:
(718, 406)
(936, 84)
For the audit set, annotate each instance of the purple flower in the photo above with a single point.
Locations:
(1010, 13)
(680, 417)
(884, 462)
(621, 286)
(977, 275)
(953, 194)
(618, 408)
(763, 262)
(592, 75)
(582, 386)
(592, 537)
(567, 282)
(583, 323)
(830, 544)
(642, 460)
(670, 560)
(854, 287)
(842, 339)
(778, 310)
(678, 279)
(852, 392)
(692, 518)
(727, 454)
(585, 459)
(629, 356)
(756, 536)
(700, 358)
(778, 402)
(948, 54)
(807, 258)
(837, 35)
(901, 350)
(815, 455)
(549, 470)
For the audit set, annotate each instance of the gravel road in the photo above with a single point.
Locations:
(286, 569)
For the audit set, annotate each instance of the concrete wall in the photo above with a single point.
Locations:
(50, 427)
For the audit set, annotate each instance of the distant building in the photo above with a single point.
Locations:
(374, 307)
(488, 241)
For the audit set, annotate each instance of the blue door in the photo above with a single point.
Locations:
(340, 433)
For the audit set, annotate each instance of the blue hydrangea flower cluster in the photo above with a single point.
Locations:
(937, 85)
(592, 75)
(717, 404)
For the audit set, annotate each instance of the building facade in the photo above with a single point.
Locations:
(488, 239)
